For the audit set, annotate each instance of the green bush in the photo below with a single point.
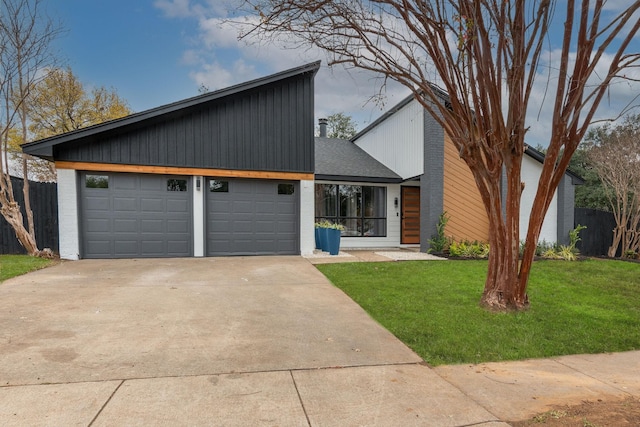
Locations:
(567, 253)
(439, 242)
(466, 249)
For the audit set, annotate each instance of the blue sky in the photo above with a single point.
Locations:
(154, 52)
(155, 55)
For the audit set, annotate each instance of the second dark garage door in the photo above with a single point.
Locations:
(252, 217)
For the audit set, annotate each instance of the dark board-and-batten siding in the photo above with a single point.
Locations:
(268, 128)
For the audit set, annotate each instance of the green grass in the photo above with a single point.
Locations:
(15, 265)
(590, 306)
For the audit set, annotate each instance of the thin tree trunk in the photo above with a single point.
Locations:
(10, 210)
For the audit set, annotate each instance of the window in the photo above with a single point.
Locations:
(362, 210)
(217, 186)
(176, 185)
(286, 188)
(96, 181)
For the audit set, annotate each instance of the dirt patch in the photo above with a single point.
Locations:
(589, 414)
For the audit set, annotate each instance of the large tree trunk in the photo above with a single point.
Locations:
(501, 291)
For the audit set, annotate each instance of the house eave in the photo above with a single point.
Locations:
(344, 178)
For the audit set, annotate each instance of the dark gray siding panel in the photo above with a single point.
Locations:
(267, 128)
(431, 183)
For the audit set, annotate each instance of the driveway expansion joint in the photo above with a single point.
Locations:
(106, 403)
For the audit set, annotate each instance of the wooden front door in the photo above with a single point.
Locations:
(410, 211)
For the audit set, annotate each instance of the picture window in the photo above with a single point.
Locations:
(362, 210)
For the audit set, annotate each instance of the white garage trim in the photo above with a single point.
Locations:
(197, 183)
(307, 217)
(69, 232)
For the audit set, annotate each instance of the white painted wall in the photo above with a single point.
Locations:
(69, 230)
(531, 170)
(398, 142)
(307, 217)
(393, 220)
(198, 216)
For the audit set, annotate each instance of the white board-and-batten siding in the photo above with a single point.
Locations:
(398, 141)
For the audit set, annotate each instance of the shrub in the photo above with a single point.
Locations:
(439, 242)
(545, 247)
(567, 253)
(466, 249)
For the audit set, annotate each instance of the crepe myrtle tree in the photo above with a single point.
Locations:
(486, 56)
(615, 156)
(26, 36)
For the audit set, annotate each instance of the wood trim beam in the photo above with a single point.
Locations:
(171, 170)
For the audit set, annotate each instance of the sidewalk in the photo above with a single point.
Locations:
(371, 255)
(515, 391)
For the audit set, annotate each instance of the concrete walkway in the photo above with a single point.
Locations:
(247, 341)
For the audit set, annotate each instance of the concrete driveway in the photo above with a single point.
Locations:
(211, 341)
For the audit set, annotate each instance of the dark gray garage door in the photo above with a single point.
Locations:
(135, 215)
(252, 217)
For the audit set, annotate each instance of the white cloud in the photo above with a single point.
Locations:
(219, 59)
(174, 8)
(190, 57)
(620, 95)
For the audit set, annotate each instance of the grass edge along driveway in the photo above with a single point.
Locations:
(590, 306)
(16, 265)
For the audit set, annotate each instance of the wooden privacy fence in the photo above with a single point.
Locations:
(598, 235)
(44, 203)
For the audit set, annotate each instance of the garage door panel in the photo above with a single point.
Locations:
(126, 247)
(286, 227)
(125, 225)
(100, 247)
(243, 206)
(268, 227)
(176, 206)
(98, 203)
(251, 218)
(136, 215)
(122, 182)
(152, 226)
(156, 247)
(152, 183)
(98, 225)
(240, 226)
(266, 207)
(178, 226)
(152, 205)
(126, 204)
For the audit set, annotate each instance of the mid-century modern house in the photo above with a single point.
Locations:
(239, 172)
(407, 172)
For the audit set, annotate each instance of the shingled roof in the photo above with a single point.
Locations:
(342, 160)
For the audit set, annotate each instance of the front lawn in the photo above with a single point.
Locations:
(15, 265)
(590, 306)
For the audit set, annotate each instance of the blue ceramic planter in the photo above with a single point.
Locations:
(333, 241)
